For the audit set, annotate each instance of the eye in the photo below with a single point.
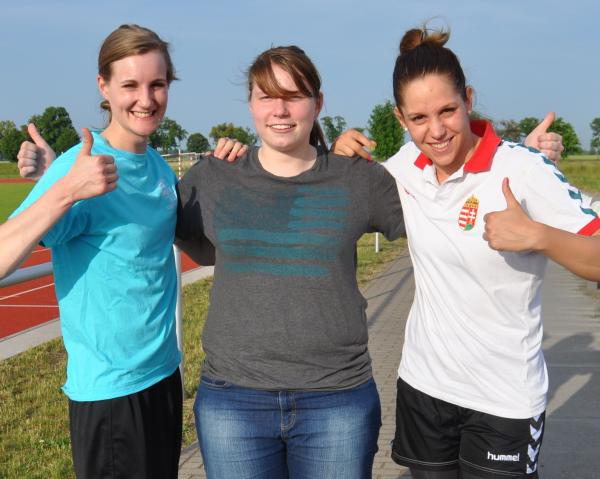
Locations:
(418, 119)
(128, 86)
(448, 111)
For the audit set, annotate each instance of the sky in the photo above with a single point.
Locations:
(522, 57)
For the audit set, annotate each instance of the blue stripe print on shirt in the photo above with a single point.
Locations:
(272, 237)
(277, 252)
(278, 269)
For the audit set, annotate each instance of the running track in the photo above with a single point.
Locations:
(29, 304)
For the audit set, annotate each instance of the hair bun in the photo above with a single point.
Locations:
(419, 36)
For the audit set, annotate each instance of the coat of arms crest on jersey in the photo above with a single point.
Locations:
(468, 214)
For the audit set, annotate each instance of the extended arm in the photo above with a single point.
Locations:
(90, 176)
(512, 230)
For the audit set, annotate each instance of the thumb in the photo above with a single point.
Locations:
(544, 124)
(35, 136)
(87, 143)
(511, 201)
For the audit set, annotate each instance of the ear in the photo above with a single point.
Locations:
(102, 86)
(319, 105)
(469, 101)
(399, 117)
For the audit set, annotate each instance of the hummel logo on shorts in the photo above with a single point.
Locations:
(503, 457)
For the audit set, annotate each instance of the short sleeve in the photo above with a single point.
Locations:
(385, 209)
(189, 211)
(74, 221)
(548, 198)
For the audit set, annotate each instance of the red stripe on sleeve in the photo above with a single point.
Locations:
(590, 228)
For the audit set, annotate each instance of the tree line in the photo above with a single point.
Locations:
(56, 127)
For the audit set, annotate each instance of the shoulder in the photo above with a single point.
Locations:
(405, 157)
(344, 162)
(209, 169)
(518, 158)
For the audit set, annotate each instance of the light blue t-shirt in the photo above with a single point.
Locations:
(115, 277)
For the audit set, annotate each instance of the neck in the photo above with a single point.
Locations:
(287, 164)
(126, 141)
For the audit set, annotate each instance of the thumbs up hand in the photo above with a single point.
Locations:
(34, 158)
(510, 229)
(91, 175)
(550, 144)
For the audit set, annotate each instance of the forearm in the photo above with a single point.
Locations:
(579, 254)
(20, 235)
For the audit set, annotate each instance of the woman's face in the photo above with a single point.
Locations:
(138, 94)
(284, 124)
(437, 118)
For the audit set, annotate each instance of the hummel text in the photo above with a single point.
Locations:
(503, 457)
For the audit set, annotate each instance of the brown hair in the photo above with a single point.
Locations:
(422, 52)
(126, 41)
(302, 70)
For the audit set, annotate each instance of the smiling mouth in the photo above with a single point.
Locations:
(442, 145)
(282, 127)
(143, 114)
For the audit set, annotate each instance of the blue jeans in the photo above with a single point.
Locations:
(250, 433)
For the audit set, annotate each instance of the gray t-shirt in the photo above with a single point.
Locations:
(285, 310)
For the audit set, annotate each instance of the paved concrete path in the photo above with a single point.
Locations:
(572, 347)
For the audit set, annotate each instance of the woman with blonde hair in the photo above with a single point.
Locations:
(115, 274)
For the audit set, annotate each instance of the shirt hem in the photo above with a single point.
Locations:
(130, 389)
(511, 413)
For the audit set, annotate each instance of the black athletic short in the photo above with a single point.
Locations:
(432, 434)
(134, 436)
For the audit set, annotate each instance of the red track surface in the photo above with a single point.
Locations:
(29, 304)
(15, 180)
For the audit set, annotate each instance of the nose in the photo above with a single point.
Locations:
(280, 107)
(437, 129)
(146, 97)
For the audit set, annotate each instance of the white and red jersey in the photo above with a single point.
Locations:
(474, 332)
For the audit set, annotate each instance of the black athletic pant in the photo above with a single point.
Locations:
(134, 436)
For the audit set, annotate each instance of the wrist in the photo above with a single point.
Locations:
(65, 192)
(541, 237)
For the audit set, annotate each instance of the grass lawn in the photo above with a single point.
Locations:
(11, 196)
(8, 170)
(34, 431)
(583, 173)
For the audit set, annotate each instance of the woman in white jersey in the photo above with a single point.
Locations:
(472, 380)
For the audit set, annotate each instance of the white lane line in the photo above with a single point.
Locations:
(28, 305)
(25, 292)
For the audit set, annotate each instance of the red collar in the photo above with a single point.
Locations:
(483, 155)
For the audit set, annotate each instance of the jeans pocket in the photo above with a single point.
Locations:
(214, 383)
